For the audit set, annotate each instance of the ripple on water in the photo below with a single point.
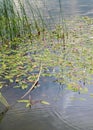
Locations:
(63, 113)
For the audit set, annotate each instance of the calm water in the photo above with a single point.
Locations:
(69, 7)
(50, 8)
(72, 7)
(67, 110)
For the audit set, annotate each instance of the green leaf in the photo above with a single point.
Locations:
(24, 86)
(3, 100)
(23, 101)
(82, 99)
(91, 95)
(16, 87)
(28, 105)
(84, 90)
(1, 86)
(11, 80)
(44, 102)
(75, 98)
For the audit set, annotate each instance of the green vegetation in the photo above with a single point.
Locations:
(29, 49)
(15, 23)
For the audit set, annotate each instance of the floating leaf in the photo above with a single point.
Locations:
(44, 102)
(23, 101)
(11, 80)
(1, 86)
(28, 105)
(16, 87)
(73, 86)
(82, 99)
(3, 100)
(24, 86)
(91, 95)
(75, 98)
(84, 90)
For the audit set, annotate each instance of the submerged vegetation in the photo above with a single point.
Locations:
(29, 49)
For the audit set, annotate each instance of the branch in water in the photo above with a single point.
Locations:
(33, 86)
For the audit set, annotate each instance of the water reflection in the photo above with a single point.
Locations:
(69, 7)
(63, 113)
(50, 9)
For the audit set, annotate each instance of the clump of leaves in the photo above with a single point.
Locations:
(31, 102)
(72, 65)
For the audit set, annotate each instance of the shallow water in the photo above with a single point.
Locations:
(51, 13)
(69, 7)
(66, 110)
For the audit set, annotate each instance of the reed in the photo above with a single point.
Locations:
(72, 53)
(9, 21)
(63, 24)
(16, 22)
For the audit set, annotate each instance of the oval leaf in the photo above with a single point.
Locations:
(44, 102)
(23, 101)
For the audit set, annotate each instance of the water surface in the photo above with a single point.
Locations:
(67, 110)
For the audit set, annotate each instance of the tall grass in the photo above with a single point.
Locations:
(63, 23)
(10, 21)
(15, 22)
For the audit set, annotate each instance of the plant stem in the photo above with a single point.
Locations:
(33, 86)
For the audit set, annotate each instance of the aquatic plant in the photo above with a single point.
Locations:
(14, 21)
(74, 63)
(31, 50)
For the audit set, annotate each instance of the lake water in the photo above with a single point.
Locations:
(69, 7)
(50, 9)
(67, 110)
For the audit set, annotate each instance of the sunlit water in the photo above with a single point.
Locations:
(67, 110)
